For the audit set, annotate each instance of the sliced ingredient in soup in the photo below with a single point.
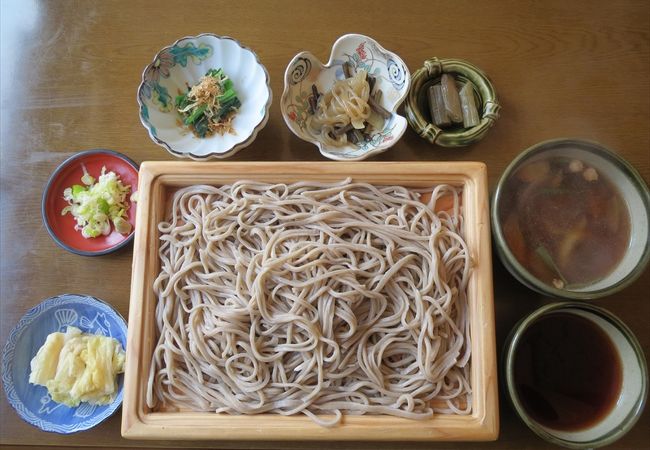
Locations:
(565, 222)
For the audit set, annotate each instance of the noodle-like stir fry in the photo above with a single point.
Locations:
(345, 104)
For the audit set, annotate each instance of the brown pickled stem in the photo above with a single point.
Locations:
(342, 130)
(347, 69)
(378, 95)
(371, 83)
(383, 112)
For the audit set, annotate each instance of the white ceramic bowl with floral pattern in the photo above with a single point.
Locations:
(182, 64)
(362, 52)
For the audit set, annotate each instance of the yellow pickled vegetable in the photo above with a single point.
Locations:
(77, 367)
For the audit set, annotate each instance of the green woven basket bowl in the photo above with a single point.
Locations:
(417, 109)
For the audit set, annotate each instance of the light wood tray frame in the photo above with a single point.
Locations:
(158, 179)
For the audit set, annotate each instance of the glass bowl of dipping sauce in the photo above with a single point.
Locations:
(571, 218)
(575, 374)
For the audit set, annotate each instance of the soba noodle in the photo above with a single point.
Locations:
(345, 104)
(313, 298)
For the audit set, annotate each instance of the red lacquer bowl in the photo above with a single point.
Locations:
(61, 228)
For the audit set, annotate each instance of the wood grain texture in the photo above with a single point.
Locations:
(157, 182)
(69, 71)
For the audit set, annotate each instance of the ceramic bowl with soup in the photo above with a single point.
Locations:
(571, 220)
(575, 374)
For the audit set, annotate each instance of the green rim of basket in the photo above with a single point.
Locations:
(463, 71)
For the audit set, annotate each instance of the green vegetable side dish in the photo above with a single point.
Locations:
(97, 203)
(209, 106)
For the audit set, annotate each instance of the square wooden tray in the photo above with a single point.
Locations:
(159, 179)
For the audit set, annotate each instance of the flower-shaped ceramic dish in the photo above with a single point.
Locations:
(362, 52)
(182, 64)
(33, 403)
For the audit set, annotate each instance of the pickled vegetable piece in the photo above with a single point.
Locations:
(439, 114)
(451, 98)
(468, 105)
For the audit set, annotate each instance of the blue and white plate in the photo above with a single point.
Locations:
(181, 65)
(32, 402)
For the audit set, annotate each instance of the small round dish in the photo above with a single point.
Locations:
(417, 110)
(361, 52)
(61, 227)
(562, 211)
(627, 406)
(32, 402)
(181, 65)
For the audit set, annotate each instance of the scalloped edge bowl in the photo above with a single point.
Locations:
(183, 63)
(393, 78)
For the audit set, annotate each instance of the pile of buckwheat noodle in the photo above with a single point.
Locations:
(325, 299)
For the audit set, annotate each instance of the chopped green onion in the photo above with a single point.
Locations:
(87, 179)
(77, 189)
(103, 205)
(94, 207)
(122, 226)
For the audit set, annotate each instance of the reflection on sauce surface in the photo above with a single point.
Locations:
(567, 372)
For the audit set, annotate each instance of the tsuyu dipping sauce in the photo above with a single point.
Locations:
(567, 372)
(575, 374)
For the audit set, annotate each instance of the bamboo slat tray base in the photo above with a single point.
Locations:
(159, 179)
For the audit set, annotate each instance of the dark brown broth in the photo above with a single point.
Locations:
(563, 228)
(567, 372)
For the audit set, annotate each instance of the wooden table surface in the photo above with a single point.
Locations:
(70, 70)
